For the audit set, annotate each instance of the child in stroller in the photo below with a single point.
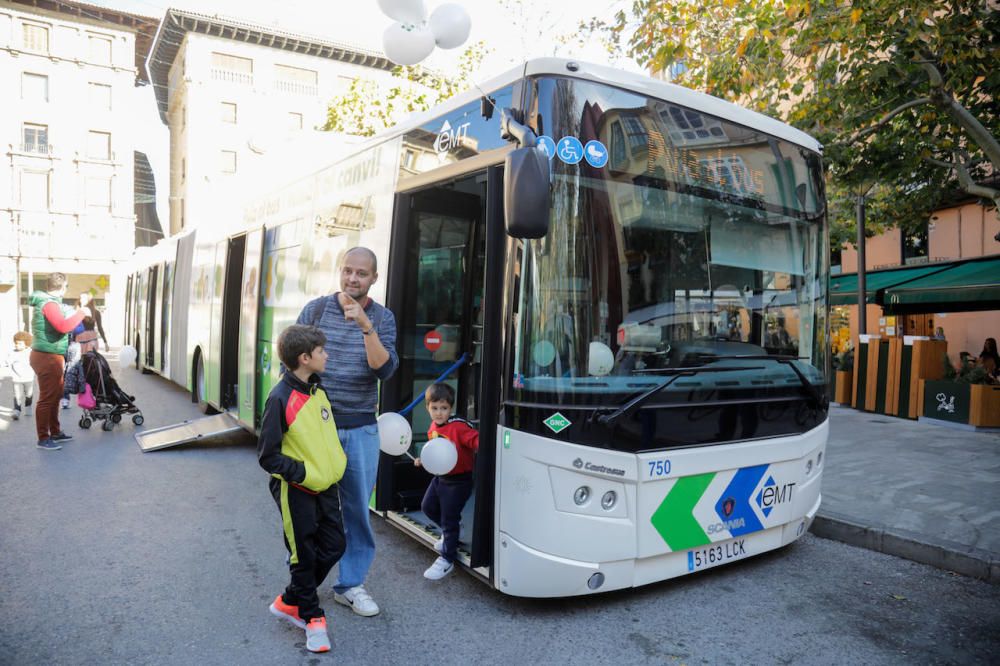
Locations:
(112, 401)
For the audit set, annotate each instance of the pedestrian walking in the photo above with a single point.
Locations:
(51, 323)
(361, 343)
(18, 364)
(298, 446)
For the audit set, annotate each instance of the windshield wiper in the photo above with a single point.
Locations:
(635, 403)
(821, 399)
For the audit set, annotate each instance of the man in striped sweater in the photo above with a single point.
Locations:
(361, 348)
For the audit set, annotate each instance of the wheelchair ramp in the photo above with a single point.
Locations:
(186, 432)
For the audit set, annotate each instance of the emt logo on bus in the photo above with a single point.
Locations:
(448, 137)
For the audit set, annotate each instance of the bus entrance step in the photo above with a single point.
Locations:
(184, 433)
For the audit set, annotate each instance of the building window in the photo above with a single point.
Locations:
(618, 156)
(229, 112)
(36, 138)
(34, 87)
(35, 190)
(99, 145)
(99, 193)
(228, 161)
(636, 132)
(100, 49)
(294, 121)
(100, 96)
(915, 245)
(296, 80)
(36, 38)
(232, 68)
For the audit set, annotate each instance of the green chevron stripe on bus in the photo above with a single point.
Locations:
(674, 518)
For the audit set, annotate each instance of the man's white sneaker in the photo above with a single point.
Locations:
(358, 599)
(439, 569)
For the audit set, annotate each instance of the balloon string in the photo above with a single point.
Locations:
(409, 408)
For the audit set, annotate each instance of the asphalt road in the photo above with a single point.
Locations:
(112, 556)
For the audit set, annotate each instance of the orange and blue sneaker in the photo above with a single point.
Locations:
(317, 639)
(288, 612)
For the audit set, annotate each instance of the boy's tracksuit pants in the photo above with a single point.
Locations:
(314, 537)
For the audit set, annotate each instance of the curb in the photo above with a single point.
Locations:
(973, 562)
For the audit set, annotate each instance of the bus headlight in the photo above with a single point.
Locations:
(609, 500)
(581, 495)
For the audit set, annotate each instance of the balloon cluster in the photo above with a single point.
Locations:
(414, 35)
(438, 456)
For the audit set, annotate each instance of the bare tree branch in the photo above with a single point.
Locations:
(977, 132)
(887, 117)
(965, 179)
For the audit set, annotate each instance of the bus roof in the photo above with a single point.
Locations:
(637, 83)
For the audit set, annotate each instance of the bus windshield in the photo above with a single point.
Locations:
(692, 243)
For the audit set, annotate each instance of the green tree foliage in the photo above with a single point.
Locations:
(902, 93)
(368, 107)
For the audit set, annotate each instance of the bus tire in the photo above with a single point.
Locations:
(198, 387)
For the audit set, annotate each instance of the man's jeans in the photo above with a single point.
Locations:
(361, 447)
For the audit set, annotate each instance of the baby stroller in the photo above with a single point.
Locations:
(111, 400)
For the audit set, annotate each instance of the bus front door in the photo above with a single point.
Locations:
(435, 290)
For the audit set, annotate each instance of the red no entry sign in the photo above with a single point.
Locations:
(432, 340)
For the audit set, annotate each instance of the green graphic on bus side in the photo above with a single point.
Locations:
(674, 519)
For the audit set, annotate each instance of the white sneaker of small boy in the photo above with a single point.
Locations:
(64, 403)
(439, 569)
(359, 601)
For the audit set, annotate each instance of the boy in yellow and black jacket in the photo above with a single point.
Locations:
(299, 447)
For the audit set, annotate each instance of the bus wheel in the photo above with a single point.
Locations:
(199, 388)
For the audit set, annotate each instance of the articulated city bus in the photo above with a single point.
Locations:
(637, 274)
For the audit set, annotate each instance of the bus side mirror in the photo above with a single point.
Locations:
(526, 195)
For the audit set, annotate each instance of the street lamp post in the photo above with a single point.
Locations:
(862, 306)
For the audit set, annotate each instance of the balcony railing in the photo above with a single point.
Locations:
(37, 148)
(86, 237)
(229, 76)
(296, 88)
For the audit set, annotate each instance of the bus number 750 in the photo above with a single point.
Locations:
(658, 468)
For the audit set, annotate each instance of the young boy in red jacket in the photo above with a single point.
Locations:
(446, 496)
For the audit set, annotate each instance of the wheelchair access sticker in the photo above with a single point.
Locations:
(569, 150)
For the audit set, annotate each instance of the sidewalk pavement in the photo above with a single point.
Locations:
(914, 490)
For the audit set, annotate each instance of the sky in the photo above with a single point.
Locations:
(515, 30)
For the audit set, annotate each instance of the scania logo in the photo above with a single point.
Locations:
(578, 463)
(734, 524)
(728, 505)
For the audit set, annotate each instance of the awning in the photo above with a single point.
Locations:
(964, 287)
(844, 288)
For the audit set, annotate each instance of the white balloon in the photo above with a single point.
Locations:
(450, 25)
(404, 11)
(439, 456)
(394, 434)
(126, 357)
(601, 359)
(407, 44)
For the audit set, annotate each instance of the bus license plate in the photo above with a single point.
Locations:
(716, 553)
